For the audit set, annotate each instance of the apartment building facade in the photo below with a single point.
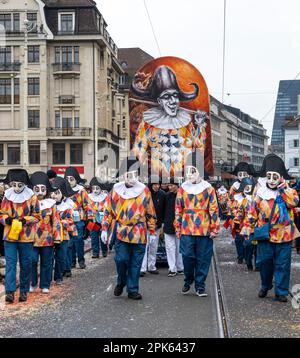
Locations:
(60, 102)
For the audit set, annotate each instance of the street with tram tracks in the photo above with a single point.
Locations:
(84, 306)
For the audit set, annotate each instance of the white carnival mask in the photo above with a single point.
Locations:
(242, 175)
(273, 179)
(18, 186)
(40, 191)
(72, 181)
(57, 195)
(131, 178)
(192, 174)
(96, 190)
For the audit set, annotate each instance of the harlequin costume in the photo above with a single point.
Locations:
(47, 233)
(64, 206)
(167, 139)
(196, 223)
(223, 199)
(98, 197)
(129, 213)
(83, 213)
(274, 251)
(19, 213)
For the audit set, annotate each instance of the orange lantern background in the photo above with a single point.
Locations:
(186, 74)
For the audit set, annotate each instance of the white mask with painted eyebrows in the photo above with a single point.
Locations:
(242, 175)
(131, 178)
(192, 174)
(273, 179)
(18, 186)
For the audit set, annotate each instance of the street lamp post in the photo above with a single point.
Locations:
(25, 94)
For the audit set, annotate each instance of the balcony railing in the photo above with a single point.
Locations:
(106, 133)
(69, 132)
(66, 67)
(66, 99)
(14, 33)
(10, 67)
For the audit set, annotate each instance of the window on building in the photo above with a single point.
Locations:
(16, 18)
(296, 162)
(1, 153)
(296, 143)
(76, 120)
(16, 91)
(33, 86)
(5, 55)
(67, 54)
(32, 17)
(5, 91)
(5, 21)
(76, 153)
(13, 154)
(76, 54)
(33, 119)
(34, 153)
(58, 153)
(67, 22)
(57, 119)
(33, 54)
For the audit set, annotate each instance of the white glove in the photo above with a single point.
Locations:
(104, 237)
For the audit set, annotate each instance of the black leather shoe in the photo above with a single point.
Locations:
(23, 297)
(185, 289)
(95, 257)
(142, 273)
(105, 254)
(280, 298)
(82, 265)
(154, 272)
(240, 262)
(73, 265)
(67, 274)
(262, 293)
(250, 267)
(10, 297)
(118, 290)
(135, 296)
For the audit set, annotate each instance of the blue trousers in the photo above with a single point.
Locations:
(96, 243)
(196, 253)
(12, 251)
(129, 259)
(60, 256)
(239, 244)
(78, 244)
(275, 260)
(250, 252)
(45, 254)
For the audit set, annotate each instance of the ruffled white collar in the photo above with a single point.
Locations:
(129, 193)
(11, 195)
(78, 188)
(63, 206)
(239, 197)
(195, 188)
(236, 185)
(156, 117)
(70, 203)
(222, 191)
(47, 204)
(97, 198)
(265, 193)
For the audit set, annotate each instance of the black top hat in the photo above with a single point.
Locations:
(244, 167)
(163, 79)
(273, 163)
(41, 178)
(51, 174)
(71, 171)
(244, 183)
(128, 165)
(18, 175)
(64, 186)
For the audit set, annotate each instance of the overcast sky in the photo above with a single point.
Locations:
(262, 45)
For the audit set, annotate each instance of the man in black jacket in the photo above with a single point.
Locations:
(158, 198)
(171, 241)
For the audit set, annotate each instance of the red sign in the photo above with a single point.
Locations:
(62, 170)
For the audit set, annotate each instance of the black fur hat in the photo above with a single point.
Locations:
(41, 178)
(72, 171)
(18, 175)
(63, 185)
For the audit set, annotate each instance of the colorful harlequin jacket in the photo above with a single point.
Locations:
(83, 204)
(98, 204)
(196, 214)
(28, 210)
(65, 211)
(261, 208)
(242, 208)
(136, 216)
(232, 192)
(48, 227)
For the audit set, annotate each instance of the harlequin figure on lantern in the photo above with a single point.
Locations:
(97, 196)
(129, 213)
(61, 194)
(197, 223)
(271, 218)
(47, 233)
(83, 214)
(19, 213)
(223, 198)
